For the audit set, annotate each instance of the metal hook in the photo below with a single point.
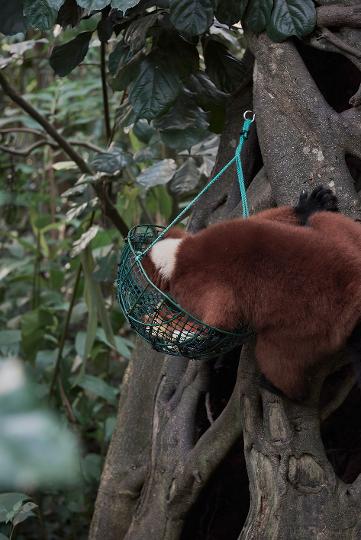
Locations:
(253, 115)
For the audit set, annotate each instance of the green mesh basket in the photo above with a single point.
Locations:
(157, 317)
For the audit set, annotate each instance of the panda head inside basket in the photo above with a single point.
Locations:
(154, 315)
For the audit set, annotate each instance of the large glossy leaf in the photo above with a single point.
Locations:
(184, 125)
(55, 4)
(111, 162)
(69, 14)
(119, 56)
(186, 178)
(39, 14)
(258, 14)
(80, 244)
(158, 174)
(7, 503)
(12, 19)
(136, 33)
(127, 73)
(93, 4)
(191, 17)
(65, 58)
(155, 88)
(223, 68)
(124, 5)
(98, 387)
(230, 11)
(291, 18)
(35, 449)
(178, 52)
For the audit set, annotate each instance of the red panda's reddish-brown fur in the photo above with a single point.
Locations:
(298, 287)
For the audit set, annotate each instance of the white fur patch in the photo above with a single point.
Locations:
(163, 256)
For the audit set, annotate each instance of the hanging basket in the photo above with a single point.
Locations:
(158, 318)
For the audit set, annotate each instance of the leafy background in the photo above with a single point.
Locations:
(139, 89)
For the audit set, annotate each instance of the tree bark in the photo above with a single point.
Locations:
(176, 426)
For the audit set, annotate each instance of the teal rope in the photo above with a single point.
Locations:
(237, 159)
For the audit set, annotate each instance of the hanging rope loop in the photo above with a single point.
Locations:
(249, 117)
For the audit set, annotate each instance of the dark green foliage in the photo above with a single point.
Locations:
(183, 125)
(191, 17)
(65, 58)
(137, 31)
(119, 57)
(69, 14)
(258, 14)
(230, 12)
(223, 68)
(12, 19)
(156, 87)
(39, 14)
(291, 18)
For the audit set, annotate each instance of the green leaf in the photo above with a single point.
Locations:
(186, 179)
(124, 5)
(121, 345)
(111, 162)
(92, 468)
(34, 328)
(158, 174)
(155, 88)
(35, 449)
(56, 4)
(291, 18)
(85, 239)
(69, 14)
(258, 15)
(8, 501)
(191, 17)
(136, 33)
(9, 337)
(184, 125)
(143, 131)
(205, 91)
(25, 512)
(120, 56)
(39, 14)
(225, 70)
(127, 72)
(12, 19)
(68, 56)
(230, 11)
(98, 387)
(93, 4)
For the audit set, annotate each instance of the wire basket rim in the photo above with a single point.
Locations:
(138, 258)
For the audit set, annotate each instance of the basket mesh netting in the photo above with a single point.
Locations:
(156, 316)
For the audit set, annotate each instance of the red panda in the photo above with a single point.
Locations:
(298, 287)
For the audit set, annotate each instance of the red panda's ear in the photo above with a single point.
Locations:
(175, 232)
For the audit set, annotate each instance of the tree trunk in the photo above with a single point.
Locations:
(175, 468)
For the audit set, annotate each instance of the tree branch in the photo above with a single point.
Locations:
(109, 209)
(108, 129)
(26, 151)
(339, 15)
(339, 43)
(23, 130)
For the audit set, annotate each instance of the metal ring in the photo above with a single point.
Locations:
(252, 117)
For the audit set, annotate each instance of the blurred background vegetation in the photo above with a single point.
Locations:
(64, 344)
